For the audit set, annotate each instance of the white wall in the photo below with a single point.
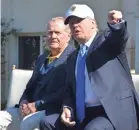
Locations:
(137, 46)
(137, 40)
(6, 8)
(131, 9)
(32, 15)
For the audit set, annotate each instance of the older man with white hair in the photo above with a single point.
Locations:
(45, 90)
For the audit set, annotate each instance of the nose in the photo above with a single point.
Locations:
(53, 35)
(74, 25)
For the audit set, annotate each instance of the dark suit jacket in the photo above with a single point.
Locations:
(53, 88)
(110, 77)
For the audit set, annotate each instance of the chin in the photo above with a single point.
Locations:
(54, 46)
(78, 38)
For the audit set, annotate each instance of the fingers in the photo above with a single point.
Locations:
(114, 16)
(67, 112)
(115, 12)
(32, 107)
(66, 119)
(63, 118)
(24, 113)
(29, 107)
(70, 124)
(24, 110)
(24, 106)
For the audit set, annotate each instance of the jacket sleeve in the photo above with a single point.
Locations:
(69, 99)
(50, 98)
(24, 95)
(63, 95)
(116, 37)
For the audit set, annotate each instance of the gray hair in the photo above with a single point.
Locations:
(96, 25)
(55, 19)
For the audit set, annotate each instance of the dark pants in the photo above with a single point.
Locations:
(52, 122)
(94, 114)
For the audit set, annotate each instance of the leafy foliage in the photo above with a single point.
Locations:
(7, 30)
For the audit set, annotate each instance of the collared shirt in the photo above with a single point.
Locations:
(50, 63)
(91, 98)
(52, 58)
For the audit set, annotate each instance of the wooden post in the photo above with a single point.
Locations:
(13, 67)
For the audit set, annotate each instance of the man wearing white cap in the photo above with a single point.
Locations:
(100, 91)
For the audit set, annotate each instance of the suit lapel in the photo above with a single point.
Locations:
(37, 70)
(59, 61)
(64, 55)
(93, 45)
(73, 67)
(91, 49)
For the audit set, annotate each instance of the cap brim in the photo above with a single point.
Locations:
(67, 19)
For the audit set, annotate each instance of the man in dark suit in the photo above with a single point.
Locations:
(45, 90)
(100, 91)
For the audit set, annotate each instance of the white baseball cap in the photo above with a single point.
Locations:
(79, 10)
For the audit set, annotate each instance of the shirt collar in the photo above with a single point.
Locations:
(52, 58)
(88, 43)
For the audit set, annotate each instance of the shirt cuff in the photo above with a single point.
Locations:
(38, 103)
(120, 21)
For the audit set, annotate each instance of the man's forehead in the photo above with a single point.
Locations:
(55, 25)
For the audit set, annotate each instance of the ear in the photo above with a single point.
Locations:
(68, 37)
(93, 24)
(93, 21)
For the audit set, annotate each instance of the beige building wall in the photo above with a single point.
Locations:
(32, 15)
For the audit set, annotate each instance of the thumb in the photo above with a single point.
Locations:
(63, 116)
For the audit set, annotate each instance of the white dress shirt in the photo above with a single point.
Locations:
(91, 98)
